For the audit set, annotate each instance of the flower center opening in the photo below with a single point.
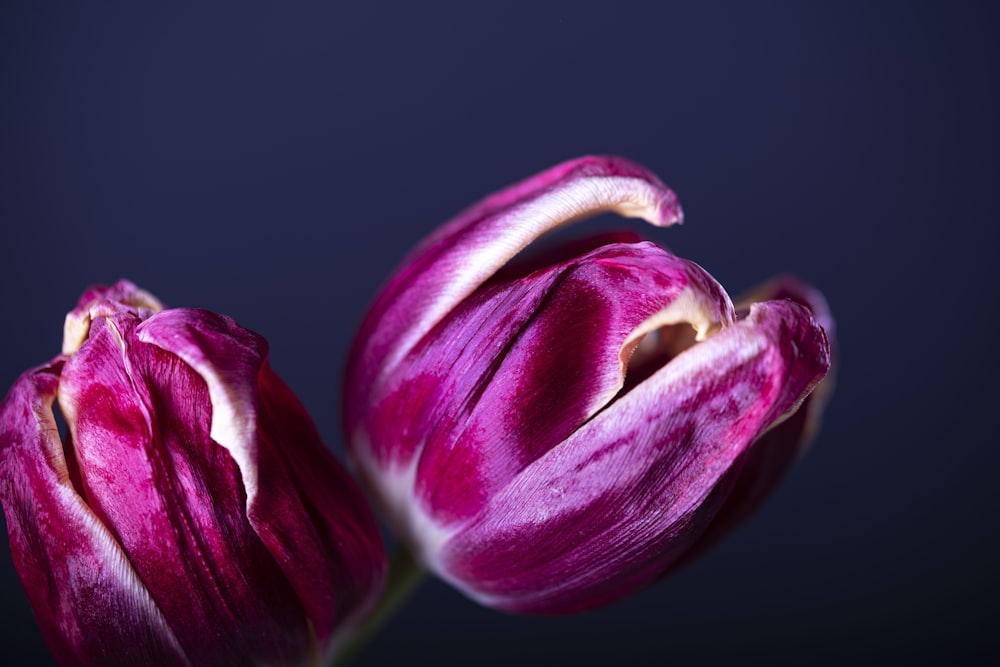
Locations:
(655, 350)
(69, 451)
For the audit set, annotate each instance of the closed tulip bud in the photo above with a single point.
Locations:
(550, 434)
(191, 515)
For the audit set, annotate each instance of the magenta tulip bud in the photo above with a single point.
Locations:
(191, 515)
(551, 434)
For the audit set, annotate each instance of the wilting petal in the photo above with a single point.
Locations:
(73, 570)
(323, 515)
(301, 504)
(450, 264)
(622, 498)
(175, 500)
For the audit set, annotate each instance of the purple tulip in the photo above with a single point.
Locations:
(191, 515)
(552, 433)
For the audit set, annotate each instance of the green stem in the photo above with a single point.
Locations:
(404, 575)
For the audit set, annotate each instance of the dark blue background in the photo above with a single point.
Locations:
(275, 163)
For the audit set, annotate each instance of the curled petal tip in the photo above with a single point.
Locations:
(466, 252)
(675, 214)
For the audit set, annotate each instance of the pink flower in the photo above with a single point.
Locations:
(191, 516)
(551, 434)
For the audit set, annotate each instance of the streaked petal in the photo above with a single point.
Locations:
(228, 359)
(75, 575)
(754, 477)
(463, 254)
(319, 527)
(303, 506)
(792, 289)
(611, 508)
(175, 499)
(519, 366)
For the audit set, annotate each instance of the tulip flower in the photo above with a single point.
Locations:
(552, 433)
(191, 515)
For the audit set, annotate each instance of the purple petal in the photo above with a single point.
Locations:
(793, 289)
(755, 476)
(319, 526)
(74, 572)
(174, 499)
(608, 510)
(463, 254)
(518, 367)
(301, 503)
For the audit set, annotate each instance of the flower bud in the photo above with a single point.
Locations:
(551, 434)
(191, 515)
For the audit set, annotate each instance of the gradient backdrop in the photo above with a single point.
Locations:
(275, 162)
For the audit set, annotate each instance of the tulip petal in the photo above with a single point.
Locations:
(75, 574)
(321, 530)
(610, 508)
(304, 506)
(175, 500)
(519, 366)
(753, 478)
(463, 254)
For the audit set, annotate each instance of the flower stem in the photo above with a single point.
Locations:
(404, 575)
